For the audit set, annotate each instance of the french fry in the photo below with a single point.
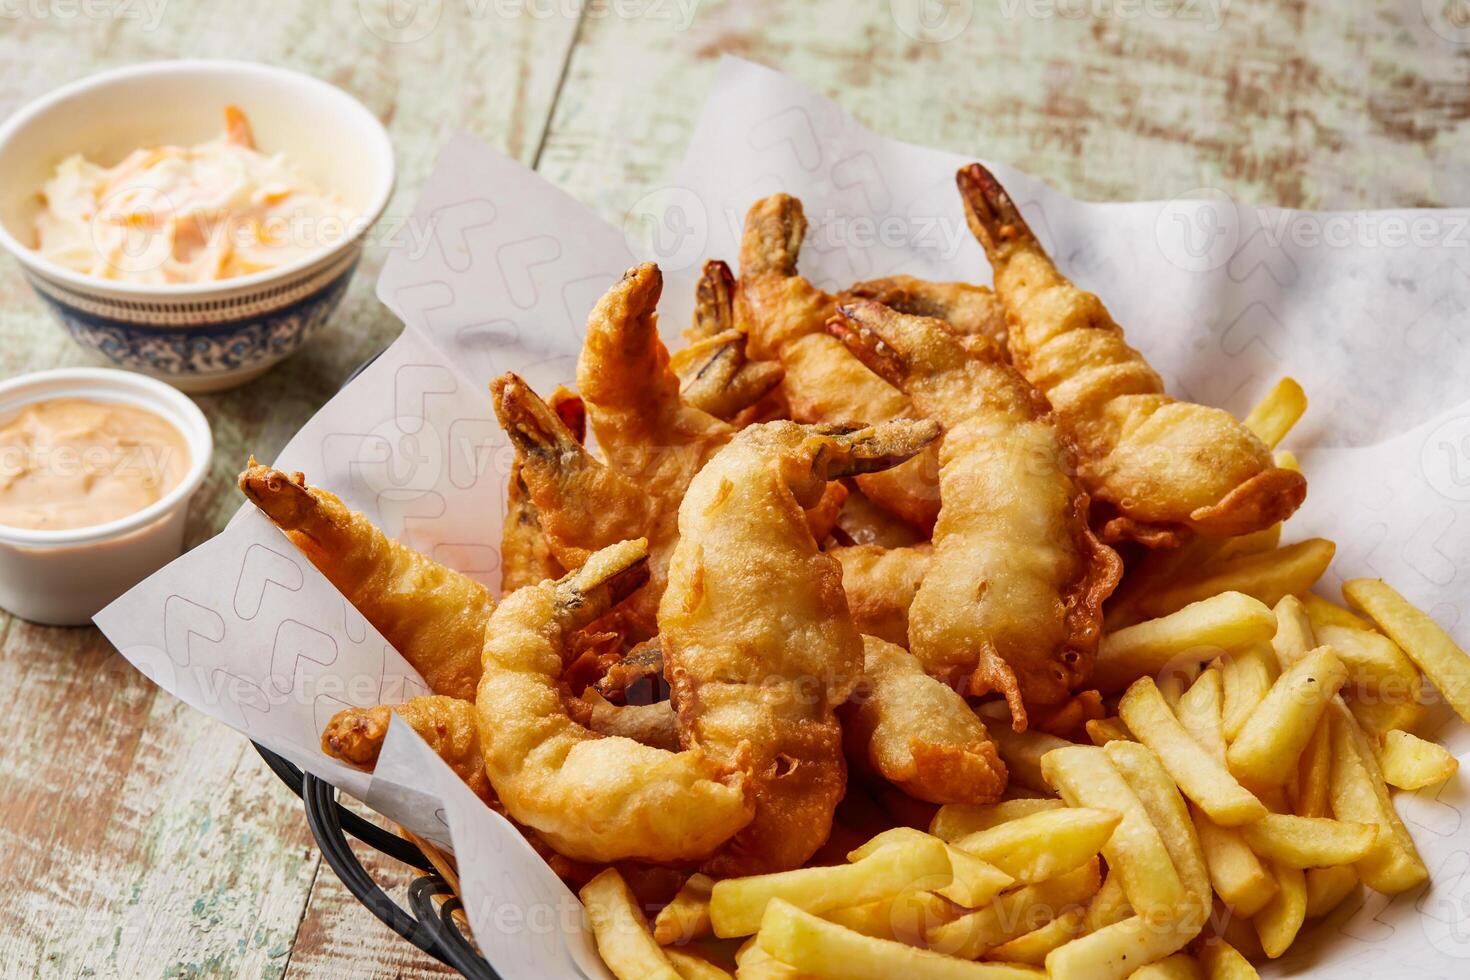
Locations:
(1015, 913)
(1031, 948)
(1200, 630)
(1295, 635)
(1045, 844)
(1360, 794)
(1022, 752)
(1327, 887)
(1409, 762)
(1266, 539)
(1146, 776)
(1266, 751)
(1173, 682)
(1277, 412)
(686, 916)
(1115, 951)
(1199, 712)
(621, 931)
(1424, 640)
(955, 820)
(1374, 662)
(1309, 842)
(1179, 966)
(1135, 852)
(974, 881)
(1245, 677)
(1314, 773)
(1279, 922)
(693, 967)
(754, 963)
(878, 919)
(1236, 873)
(1266, 575)
(1109, 905)
(824, 949)
(1325, 613)
(917, 861)
(1105, 730)
(1222, 961)
(1199, 775)
(1378, 714)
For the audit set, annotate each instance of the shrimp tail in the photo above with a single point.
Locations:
(993, 217)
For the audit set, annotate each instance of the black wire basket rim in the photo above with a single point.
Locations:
(433, 930)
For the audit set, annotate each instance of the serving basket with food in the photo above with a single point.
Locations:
(892, 625)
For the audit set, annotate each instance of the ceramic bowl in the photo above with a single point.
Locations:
(196, 336)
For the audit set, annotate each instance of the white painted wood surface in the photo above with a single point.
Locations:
(137, 838)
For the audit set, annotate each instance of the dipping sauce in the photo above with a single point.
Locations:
(70, 462)
(179, 214)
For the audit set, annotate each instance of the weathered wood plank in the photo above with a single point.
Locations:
(139, 837)
(1277, 102)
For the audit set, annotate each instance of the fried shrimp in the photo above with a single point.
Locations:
(1160, 467)
(918, 733)
(593, 798)
(525, 554)
(880, 584)
(785, 316)
(1014, 591)
(759, 647)
(434, 616)
(355, 735)
(716, 375)
(967, 308)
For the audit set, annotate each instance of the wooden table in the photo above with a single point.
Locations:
(138, 838)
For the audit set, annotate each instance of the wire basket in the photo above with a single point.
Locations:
(433, 927)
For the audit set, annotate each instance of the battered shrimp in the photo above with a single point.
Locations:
(881, 584)
(759, 647)
(1160, 467)
(356, 736)
(434, 616)
(525, 554)
(785, 316)
(918, 733)
(1013, 595)
(967, 308)
(592, 798)
(715, 373)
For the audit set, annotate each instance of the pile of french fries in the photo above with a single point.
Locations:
(1238, 787)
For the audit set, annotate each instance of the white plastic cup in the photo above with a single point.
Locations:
(64, 577)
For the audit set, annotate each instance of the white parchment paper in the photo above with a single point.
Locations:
(1369, 310)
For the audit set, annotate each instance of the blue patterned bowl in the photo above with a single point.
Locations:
(197, 336)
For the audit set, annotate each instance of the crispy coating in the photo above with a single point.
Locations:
(355, 735)
(716, 375)
(434, 616)
(966, 307)
(785, 316)
(759, 646)
(593, 798)
(1162, 467)
(918, 733)
(558, 469)
(1014, 592)
(880, 584)
(525, 553)
(863, 522)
